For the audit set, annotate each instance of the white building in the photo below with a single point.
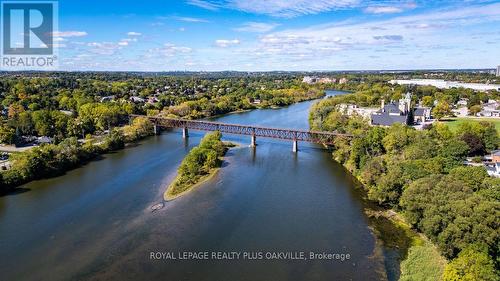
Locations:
(498, 70)
(443, 84)
(490, 109)
(309, 79)
(461, 111)
(353, 109)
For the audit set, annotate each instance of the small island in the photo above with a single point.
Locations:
(201, 163)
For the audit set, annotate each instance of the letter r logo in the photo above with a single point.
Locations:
(27, 28)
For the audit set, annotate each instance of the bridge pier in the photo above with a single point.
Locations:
(295, 146)
(185, 132)
(253, 141)
(156, 129)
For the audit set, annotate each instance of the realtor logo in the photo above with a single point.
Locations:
(27, 35)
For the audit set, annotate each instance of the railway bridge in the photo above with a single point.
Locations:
(293, 135)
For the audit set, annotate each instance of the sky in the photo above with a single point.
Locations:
(267, 35)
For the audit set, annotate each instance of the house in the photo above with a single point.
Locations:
(343, 80)
(421, 114)
(393, 112)
(492, 163)
(490, 109)
(353, 109)
(309, 80)
(67, 112)
(462, 102)
(493, 170)
(153, 100)
(136, 99)
(314, 80)
(43, 139)
(326, 80)
(107, 98)
(461, 112)
(495, 156)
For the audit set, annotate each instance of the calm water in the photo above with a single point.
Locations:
(95, 223)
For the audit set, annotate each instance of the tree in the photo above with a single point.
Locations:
(24, 123)
(427, 101)
(14, 110)
(490, 135)
(475, 144)
(454, 149)
(471, 265)
(398, 136)
(442, 109)
(43, 122)
(471, 176)
(7, 135)
(388, 188)
(475, 109)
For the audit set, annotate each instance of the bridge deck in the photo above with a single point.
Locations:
(257, 131)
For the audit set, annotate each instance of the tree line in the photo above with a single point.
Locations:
(421, 174)
(49, 160)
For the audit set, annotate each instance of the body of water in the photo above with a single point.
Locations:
(96, 223)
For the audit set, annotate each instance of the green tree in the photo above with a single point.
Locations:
(428, 101)
(475, 109)
(7, 135)
(442, 109)
(471, 265)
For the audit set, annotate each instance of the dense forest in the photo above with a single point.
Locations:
(420, 173)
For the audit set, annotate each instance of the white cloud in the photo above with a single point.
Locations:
(383, 10)
(189, 19)
(104, 48)
(419, 31)
(380, 8)
(278, 8)
(204, 4)
(258, 27)
(69, 33)
(133, 33)
(223, 43)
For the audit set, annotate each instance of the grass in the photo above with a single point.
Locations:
(421, 260)
(175, 190)
(424, 263)
(453, 123)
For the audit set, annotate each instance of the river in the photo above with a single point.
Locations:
(96, 223)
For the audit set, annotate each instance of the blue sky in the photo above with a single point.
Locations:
(263, 35)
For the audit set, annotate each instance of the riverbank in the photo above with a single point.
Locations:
(416, 257)
(418, 172)
(51, 160)
(408, 255)
(169, 196)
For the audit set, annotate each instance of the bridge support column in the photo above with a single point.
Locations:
(295, 146)
(253, 141)
(185, 133)
(156, 129)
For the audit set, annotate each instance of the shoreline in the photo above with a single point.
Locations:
(167, 196)
(202, 180)
(393, 234)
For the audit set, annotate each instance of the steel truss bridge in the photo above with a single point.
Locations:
(253, 131)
